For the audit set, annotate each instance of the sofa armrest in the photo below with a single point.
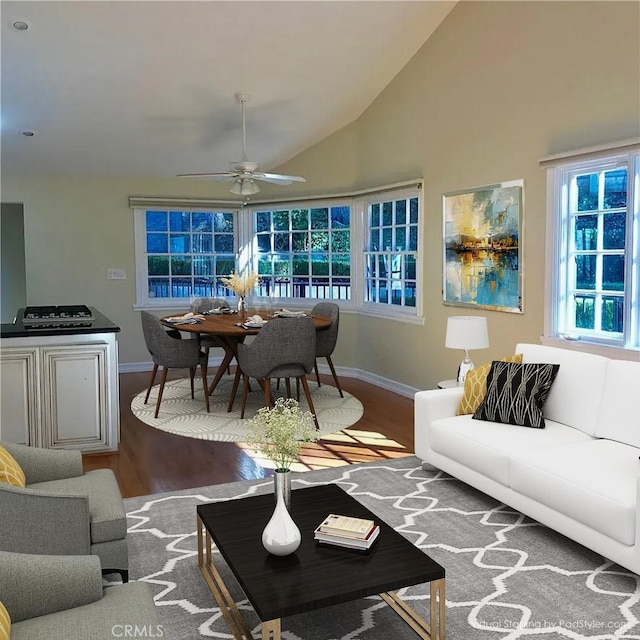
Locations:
(429, 406)
(42, 465)
(45, 523)
(36, 585)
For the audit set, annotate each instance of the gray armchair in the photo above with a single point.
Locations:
(327, 338)
(62, 598)
(170, 352)
(284, 348)
(63, 511)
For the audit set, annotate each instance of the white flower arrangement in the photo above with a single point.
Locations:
(280, 432)
(239, 284)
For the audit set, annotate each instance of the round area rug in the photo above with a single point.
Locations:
(181, 415)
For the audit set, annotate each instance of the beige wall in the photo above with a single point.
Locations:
(496, 87)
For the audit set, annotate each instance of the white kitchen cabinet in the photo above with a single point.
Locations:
(60, 391)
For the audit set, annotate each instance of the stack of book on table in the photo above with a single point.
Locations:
(345, 531)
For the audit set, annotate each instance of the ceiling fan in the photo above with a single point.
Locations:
(244, 173)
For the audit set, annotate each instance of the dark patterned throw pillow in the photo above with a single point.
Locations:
(516, 393)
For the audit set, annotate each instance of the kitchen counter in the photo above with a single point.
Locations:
(59, 385)
(100, 324)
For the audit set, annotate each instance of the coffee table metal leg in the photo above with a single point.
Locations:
(433, 631)
(271, 629)
(219, 590)
(437, 620)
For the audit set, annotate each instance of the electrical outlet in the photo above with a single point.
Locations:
(116, 274)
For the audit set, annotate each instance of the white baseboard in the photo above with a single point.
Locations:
(346, 372)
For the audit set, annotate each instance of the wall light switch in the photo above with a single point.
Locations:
(116, 274)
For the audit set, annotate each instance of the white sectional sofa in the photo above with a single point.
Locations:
(580, 475)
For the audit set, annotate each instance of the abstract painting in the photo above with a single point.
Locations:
(483, 247)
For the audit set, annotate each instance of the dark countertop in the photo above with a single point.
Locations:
(100, 324)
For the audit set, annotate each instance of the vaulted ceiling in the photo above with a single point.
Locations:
(146, 88)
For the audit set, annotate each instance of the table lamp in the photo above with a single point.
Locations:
(466, 332)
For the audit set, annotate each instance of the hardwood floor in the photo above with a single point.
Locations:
(152, 461)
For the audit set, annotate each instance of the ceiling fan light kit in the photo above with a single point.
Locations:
(245, 173)
(244, 187)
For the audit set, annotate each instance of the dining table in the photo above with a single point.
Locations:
(231, 328)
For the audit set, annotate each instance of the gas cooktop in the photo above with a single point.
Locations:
(62, 316)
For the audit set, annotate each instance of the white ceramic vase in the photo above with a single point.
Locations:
(281, 536)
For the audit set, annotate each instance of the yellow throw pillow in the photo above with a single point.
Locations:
(10, 470)
(475, 386)
(5, 623)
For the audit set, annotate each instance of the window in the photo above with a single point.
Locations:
(304, 252)
(183, 253)
(595, 231)
(359, 249)
(391, 254)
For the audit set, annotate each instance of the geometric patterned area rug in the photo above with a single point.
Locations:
(181, 415)
(507, 576)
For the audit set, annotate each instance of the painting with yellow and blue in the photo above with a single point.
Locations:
(482, 247)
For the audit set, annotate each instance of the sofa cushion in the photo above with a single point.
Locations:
(108, 517)
(475, 385)
(516, 393)
(486, 447)
(581, 378)
(592, 482)
(123, 609)
(619, 415)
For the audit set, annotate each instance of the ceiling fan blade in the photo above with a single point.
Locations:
(276, 178)
(216, 175)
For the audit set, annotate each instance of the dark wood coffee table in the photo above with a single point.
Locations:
(315, 576)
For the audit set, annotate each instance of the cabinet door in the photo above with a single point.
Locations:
(74, 380)
(19, 406)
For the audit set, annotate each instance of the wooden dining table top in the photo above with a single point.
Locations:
(230, 324)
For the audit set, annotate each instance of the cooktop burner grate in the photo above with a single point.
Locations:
(52, 316)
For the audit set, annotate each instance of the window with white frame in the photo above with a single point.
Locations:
(304, 251)
(391, 250)
(594, 229)
(359, 249)
(182, 253)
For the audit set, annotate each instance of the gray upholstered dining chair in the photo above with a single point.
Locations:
(171, 352)
(63, 511)
(284, 348)
(327, 338)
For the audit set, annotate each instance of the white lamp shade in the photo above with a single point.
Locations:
(244, 187)
(467, 332)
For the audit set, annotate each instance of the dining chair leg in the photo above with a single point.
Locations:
(165, 370)
(315, 366)
(335, 377)
(153, 377)
(307, 394)
(287, 383)
(298, 389)
(203, 370)
(267, 392)
(234, 389)
(245, 391)
(192, 375)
